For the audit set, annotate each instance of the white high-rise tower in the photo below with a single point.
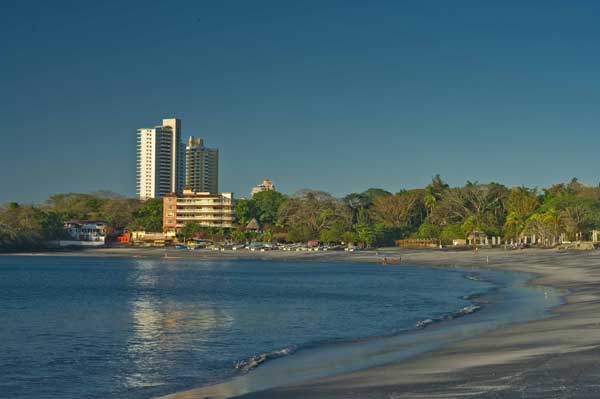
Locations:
(160, 160)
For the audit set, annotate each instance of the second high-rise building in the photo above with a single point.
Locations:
(201, 167)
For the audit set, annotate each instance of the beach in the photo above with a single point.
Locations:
(557, 357)
(554, 357)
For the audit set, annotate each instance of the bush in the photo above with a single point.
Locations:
(451, 232)
(427, 231)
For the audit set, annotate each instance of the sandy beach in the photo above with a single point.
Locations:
(556, 357)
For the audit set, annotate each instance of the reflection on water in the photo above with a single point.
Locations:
(164, 326)
(514, 303)
(99, 328)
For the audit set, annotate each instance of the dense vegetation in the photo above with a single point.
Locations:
(374, 217)
(30, 227)
(378, 217)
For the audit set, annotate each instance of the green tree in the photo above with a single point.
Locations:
(300, 233)
(76, 205)
(429, 231)
(148, 217)
(484, 203)
(434, 193)
(267, 236)
(363, 201)
(20, 228)
(349, 237)
(190, 230)
(213, 233)
(429, 200)
(245, 210)
(385, 235)
(546, 225)
(450, 232)
(373, 193)
(53, 227)
(267, 205)
(309, 214)
(438, 186)
(576, 219)
(470, 225)
(520, 204)
(357, 200)
(334, 234)
(120, 212)
(366, 234)
(404, 210)
(239, 237)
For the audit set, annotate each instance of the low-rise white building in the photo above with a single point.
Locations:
(89, 231)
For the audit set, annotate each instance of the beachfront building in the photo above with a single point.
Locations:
(160, 160)
(201, 167)
(204, 208)
(266, 185)
(152, 239)
(253, 225)
(93, 231)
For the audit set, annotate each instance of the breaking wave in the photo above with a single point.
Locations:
(252, 362)
(460, 313)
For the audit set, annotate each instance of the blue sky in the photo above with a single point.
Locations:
(332, 95)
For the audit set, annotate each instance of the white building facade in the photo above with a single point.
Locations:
(159, 160)
(87, 230)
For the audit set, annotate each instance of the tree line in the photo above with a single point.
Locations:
(377, 217)
(374, 217)
(26, 227)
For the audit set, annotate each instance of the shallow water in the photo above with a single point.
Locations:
(138, 328)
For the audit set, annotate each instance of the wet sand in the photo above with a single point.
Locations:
(556, 357)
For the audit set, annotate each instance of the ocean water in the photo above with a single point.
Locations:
(79, 327)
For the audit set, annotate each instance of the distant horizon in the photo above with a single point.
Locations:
(335, 96)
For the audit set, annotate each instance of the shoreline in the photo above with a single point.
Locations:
(552, 357)
(378, 351)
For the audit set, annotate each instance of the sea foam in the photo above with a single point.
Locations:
(252, 362)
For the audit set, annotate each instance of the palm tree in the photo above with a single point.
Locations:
(430, 200)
